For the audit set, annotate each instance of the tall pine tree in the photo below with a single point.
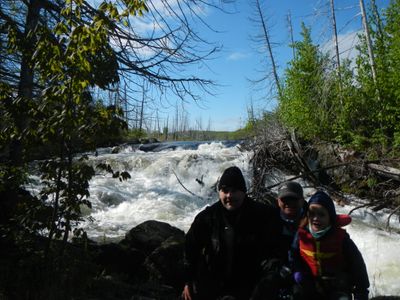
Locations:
(307, 97)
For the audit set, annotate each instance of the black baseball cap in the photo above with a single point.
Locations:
(291, 189)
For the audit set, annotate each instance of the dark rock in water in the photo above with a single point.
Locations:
(153, 140)
(149, 235)
(148, 147)
(165, 264)
(113, 199)
(115, 149)
(116, 259)
(147, 264)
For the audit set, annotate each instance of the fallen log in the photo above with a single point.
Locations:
(385, 171)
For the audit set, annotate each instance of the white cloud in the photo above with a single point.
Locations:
(347, 45)
(169, 12)
(237, 56)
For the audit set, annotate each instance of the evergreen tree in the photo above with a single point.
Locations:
(351, 116)
(376, 108)
(391, 77)
(307, 98)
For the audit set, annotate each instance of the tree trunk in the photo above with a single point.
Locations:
(266, 37)
(369, 42)
(289, 20)
(386, 171)
(25, 86)
(336, 49)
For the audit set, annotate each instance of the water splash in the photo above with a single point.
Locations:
(158, 190)
(159, 185)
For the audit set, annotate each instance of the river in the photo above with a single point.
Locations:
(172, 182)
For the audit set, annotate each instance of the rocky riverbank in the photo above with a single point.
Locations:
(147, 264)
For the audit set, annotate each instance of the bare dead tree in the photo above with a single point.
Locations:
(157, 47)
(142, 105)
(377, 18)
(369, 42)
(290, 27)
(263, 39)
(125, 101)
(335, 39)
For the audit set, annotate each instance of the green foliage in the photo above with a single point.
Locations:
(240, 134)
(307, 97)
(106, 124)
(51, 110)
(29, 274)
(380, 99)
(115, 174)
(353, 108)
(390, 76)
(136, 133)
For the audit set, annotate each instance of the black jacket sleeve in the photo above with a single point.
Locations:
(195, 241)
(357, 269)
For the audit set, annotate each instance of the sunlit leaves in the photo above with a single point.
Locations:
(132, 8)
(68, 52)
(362, 112)
(115, 174)
(381, 99)
(305, 101)
(13, 42)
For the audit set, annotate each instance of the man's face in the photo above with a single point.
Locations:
(291, 206)
(231, 198)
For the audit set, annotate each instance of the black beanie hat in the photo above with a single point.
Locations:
(232, 177)
(326, 201)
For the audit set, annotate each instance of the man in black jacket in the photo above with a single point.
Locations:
(277, 281)
(227, 243)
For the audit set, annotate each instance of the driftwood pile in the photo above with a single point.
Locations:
(342, 172)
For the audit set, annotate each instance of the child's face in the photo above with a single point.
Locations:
(318, 217)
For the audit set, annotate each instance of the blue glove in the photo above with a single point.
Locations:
(298, 277)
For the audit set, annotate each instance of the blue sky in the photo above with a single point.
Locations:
(239, 61)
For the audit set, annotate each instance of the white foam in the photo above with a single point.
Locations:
(379, 247)
(169, 186)
(160, 189)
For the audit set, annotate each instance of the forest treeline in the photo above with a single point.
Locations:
(355, 102)
(338, 117)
